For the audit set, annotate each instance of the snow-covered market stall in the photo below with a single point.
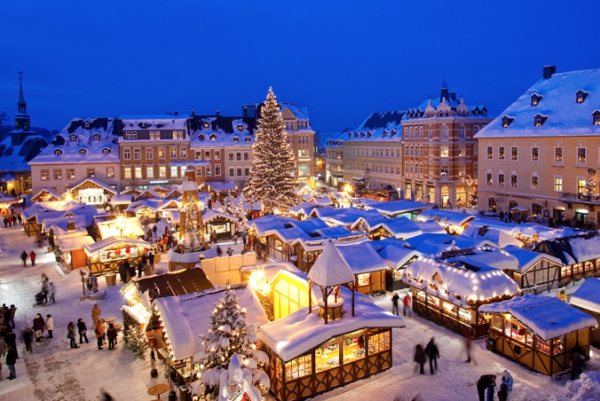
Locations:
(222, 225)
(311, 353)
(452, 294)
(587, 299)
(104, 257)
(539, 332)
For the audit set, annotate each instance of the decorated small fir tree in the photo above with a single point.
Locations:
(273, 179)
(228, 205)
(137, 341)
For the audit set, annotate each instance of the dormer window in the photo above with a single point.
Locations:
(535, 99)
(87, 125)
(206, 125)
(236, 139)
(58, 152)
(247, 139)
(240, 127)
(213, 137)
(580, 96)
(385, 133)
(506, 121)
(596, 117)
(539, 120)
(105, 151)
(393, 132)
(200, 137)
(73, 137)
(83, 151)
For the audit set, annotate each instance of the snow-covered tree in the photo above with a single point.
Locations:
(240, 213)
(227, 335)
(273, 178)
(137, 341)
(228, 205)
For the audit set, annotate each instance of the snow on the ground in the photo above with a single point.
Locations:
(56, 372)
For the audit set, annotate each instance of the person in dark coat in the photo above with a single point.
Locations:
(484, 383)
(420, 358)
(11, 360)
(151, 259)
(71, 335)
(395, 299)
(219, 251)
(140, 269)
(82, 328)
(11, 339)
(131, 270)
(10, 316)
(111, 334)
(38, 325)
(27, 338)
(24, 257)
(432, 352)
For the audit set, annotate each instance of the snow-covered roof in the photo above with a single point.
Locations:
(331, 268)
(113, 242)
(119, 199)
(304, 208)
(397, 256)
(397, 207)
(97, 140)
(499, 238)
(60, 226)
(152, 122)
(430, 227)
(221, 185)
(385, 126)
(213, 214)
(131, 228)
(175, 283)
(301, 113)
(527, 258)
(587, 296)
(300, 332)
(74, 243)
(526, 229)
(185, 317)
(94, 181)
(361, 258)
(16, 158)
(548, 317)
(446, 217)
(458, 284)
(136, 206)
(565, 117)
(44, 191)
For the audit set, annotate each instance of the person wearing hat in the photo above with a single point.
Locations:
(506, 386)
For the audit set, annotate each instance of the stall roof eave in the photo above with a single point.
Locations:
(111, 242)
(587, 296)
(548, 317)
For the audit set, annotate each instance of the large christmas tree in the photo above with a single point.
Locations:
(273, 173)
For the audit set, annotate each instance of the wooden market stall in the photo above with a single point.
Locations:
(397, 258)
(539, 332)
(91, 191)
(223, 225)
(311, 353)
(70, 251)
(451, 294)
(46, 194)
(104, 257)
(587, 299)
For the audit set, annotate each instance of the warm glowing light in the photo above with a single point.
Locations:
(69, 197)
(348, 188)
(259, 283)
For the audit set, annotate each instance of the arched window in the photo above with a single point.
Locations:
(430, 134)
(444, 132)
(475, 129)
(406, 132)
(387, 152)
(461, 131)
(213, 137)
(421, 150)
(410, 132)
(421, 132)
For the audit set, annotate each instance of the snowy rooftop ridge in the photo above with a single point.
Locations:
(330, 268)
(566, 117)
(548, 317)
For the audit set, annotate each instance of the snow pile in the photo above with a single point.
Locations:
(586, 388)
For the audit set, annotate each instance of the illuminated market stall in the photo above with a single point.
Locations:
(539, 332)
(104, 257)
(451, 294)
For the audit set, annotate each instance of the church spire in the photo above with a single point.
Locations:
(444, 93)
(21, 105)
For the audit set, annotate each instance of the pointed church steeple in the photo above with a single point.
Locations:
(21, 105)
(22, 126)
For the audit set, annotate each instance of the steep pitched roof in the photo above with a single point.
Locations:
(330, 268)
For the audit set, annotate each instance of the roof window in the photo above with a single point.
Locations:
(539, 120)
(535, 99)
(247, 139)
(506, 121)
(213, 137)
(580, 96)
(83, 151)
(240, 127)
(201, 137)
(105, 151)
(236, 139)
(96, 137)
(206, 124)
(58, 152)
(596, 117)
(73, 137)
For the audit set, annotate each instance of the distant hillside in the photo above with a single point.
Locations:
(47, 134)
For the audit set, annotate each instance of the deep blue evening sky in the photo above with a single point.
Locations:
(341, 59)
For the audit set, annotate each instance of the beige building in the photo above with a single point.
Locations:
(85, 148)
(541, 154)
(300, 136)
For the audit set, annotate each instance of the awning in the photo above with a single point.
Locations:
(519, 209)
(358, 178)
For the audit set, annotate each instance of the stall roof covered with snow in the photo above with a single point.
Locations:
(184, 317)
(587, 296)
(548, 317)
(446, 217)
(571, 250)
(176, 283)
(361, 258)
(499, 238)
(396, 256)
(398, 207)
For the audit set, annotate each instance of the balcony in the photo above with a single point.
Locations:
(593, 199)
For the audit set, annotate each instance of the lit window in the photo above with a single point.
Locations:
(535, 99)
(580, 96)
(444, 170)
(489, 178)
(240, 127)
(70, 174)
(217, 155)
(206, 125)
(58, 174)
(364, 279)
(444, 151)
(213, 137)
(514, 153)
(558, 184)
(580, 155)
(162, 171)
(501, 152)
(558, 154)
(91, 172)
(490, 152)
(174, 172)
(236, 139)
(501, 180)
(535, 154)
(539, 120)
(513, 181)
(535, 184)
(596, 117)
(249, 139)
(161, 153)
(110, 172)
(207, 155)
(506, 121)
(83, 152)
(208, 171)
(137, 172)
(150, 172)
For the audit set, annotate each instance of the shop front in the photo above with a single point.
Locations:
(105, 256)
(70, 252)
(219, 224)
(539, 332)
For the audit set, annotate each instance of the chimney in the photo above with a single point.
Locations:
(245, 111)
(193, 113)
(218, 113)
(175, 113)
(549, 70)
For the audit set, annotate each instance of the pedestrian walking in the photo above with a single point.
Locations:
(407, 305)
(40, 240)
(99, 331)
(486, 384)
(131, 270)
(506, 387)
(52, 292)
(395, 299)
(577, 361)
(82, 328)
(420, 358)
(44, 291)
(432, 352)
(235, 238)
(71, 335)
(144, 260)
(27, 339)
(49, 325)
(32, 256)
(111, 334)
(140, 270)
(151, 259)
(96, 311)
(38, 326)
(468, 346)
(24, 257)
(122, 271)
(214, 236)
(11, 339)
(10, 321)
(229, 251)
(11, 360)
